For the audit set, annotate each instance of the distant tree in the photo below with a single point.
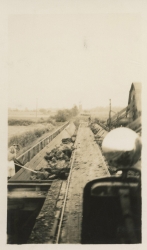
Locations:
(66, 114)
(61, 116)
(42, 110)
(74, 111)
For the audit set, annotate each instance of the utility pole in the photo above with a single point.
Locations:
(36, 108)
(109, 114)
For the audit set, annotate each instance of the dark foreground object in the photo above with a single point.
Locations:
(25, 200)
(112, 211)
(20, 224)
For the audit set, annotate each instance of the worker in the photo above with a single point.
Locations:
(12, 151)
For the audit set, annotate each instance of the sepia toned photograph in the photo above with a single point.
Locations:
(74, 122)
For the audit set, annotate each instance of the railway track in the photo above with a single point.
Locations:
(60, 232)
(66, 193)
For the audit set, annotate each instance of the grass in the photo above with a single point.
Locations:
(27, 122)
(16, 122)
(25, 137)
(28, 114)
(24, 129)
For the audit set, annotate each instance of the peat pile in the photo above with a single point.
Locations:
(99, 133)
(58, 161)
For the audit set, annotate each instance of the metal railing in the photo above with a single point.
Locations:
(124, 113)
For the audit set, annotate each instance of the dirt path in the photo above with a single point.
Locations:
(88, 165)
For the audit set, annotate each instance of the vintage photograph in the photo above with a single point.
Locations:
(74, 149)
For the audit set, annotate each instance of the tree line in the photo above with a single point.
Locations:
(65, 114)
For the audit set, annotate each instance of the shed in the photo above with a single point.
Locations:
(135, 96)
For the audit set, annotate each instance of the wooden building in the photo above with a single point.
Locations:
(132, 112)
(134, 98)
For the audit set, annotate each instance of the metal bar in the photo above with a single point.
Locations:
(135, 124)
(120, 112)
(68, 182)
(22, 206)
(26, 194)
(27, 168)
(138, 129)
(123, 110)
(54, 228)
(42, 140)
(29, 181)
(28, 184)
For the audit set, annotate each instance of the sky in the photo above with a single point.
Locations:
(63, 55)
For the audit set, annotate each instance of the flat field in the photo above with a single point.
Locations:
(20, 131)
(100, 115)
(17, 130)
(28, 115)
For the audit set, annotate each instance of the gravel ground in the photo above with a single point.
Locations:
(88, 165)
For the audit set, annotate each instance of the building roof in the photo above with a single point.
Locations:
(137, 87)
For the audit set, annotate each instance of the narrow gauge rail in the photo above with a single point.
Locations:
(66, 192)
(67, 225)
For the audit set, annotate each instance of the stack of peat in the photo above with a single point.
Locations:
(58, 161)
(99, 133)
